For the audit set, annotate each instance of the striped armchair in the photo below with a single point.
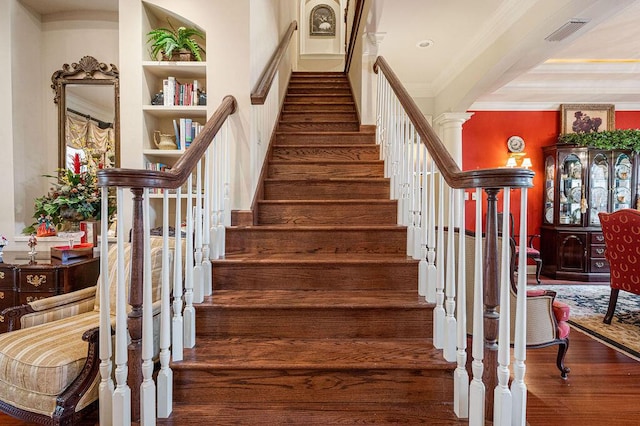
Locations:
(49, 360)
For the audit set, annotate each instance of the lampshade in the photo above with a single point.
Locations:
(526, 163)
(511, 162)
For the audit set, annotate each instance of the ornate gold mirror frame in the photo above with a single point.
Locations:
(86, 73)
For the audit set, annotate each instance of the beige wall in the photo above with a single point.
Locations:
(36, 46)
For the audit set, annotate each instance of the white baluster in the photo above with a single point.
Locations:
(418, 182)
(177, 323)
(423, 265)
(227, 180)
(501, 394)
(189, 311)
(165, 375)
(477, 388)
(450, 285)
(410, 209)
(518, 386)
(122, 393)
(198, 284)
(461, 377)
(206, 225)
(224, 187)
(432, 271)
(106, 382)
(147, 387)
(438, 311)
(215, 199)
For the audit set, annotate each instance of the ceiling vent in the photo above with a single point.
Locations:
(566, 30)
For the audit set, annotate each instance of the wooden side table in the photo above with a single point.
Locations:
(22, 281)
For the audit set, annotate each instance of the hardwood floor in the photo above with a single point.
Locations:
(602, 388)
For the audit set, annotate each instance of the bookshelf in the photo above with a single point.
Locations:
(190, 75)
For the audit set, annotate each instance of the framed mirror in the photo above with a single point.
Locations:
(88, 98)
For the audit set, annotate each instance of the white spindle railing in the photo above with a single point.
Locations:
(413, 160)
(181, 271)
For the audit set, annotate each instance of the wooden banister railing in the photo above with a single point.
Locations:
(134, 396)
(418, 166)
(261, 90)
(484, 178)
(357, 17)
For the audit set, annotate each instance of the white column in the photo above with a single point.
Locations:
(448, 125)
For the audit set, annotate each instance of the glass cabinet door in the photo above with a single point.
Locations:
(599, 187)
(571, 190)
(621, 182)
(549, 176)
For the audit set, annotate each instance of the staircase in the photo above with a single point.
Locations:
(315, 317)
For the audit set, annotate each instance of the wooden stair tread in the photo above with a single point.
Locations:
(329, 179)
(313, 413)
(326, 202)
(277, 299)
(315, 259)
(336, 133)
(302, 354)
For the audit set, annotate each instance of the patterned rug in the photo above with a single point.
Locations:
(588, 306)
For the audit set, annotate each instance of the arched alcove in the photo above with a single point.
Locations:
(321, 28)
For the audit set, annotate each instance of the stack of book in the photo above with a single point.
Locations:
(177, 94)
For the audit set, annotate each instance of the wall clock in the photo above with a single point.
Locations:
(515, 144)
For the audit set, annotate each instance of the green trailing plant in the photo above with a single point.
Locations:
(609, 139)
(168, 40)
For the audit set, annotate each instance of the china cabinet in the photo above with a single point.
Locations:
(580, 182)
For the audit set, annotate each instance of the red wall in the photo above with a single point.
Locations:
(484, 145)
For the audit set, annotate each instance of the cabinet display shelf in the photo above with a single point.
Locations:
(167, 111)
(184, 69)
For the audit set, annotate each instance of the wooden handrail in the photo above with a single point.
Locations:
(357, 16)
(260, 92)
(455, 178)
(178, 174)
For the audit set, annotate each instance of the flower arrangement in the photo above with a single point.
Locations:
(74, 197)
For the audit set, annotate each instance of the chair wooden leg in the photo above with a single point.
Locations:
(562, 351)
(613, 300)
(538, 269)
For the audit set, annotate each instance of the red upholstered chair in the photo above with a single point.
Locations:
(532, 252)
(621, 231)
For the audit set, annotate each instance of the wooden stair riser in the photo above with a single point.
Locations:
(324, 153)
(318, 106)
(328, 126)
(346, 189)
(334, 98)
(327, 213)
(291, 170)
(314, 323)
(254, 240)
(329, 86)
(338, 138)
(318, 91)
(322, 74)
(318, 117)
(393, 386)
(314, 275)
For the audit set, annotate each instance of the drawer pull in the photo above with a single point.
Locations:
(36, 280)
(1, 275)
(599, 238)
(34, 298)
(1, 318)
(1, 294)
(599, 250)
(600, 264)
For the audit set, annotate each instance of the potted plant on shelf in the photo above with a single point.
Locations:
(608, 139)
(171, 44)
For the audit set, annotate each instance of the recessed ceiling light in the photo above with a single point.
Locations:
(423, 44)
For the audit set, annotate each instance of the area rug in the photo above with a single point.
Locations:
(588, 306)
